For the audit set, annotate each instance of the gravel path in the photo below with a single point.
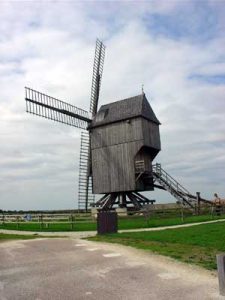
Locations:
(64, 269)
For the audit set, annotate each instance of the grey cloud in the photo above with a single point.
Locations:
(39, 159)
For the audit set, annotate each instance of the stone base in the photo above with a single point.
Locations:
(94, 212)
(121, 212)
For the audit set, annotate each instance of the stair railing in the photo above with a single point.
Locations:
(169, 180)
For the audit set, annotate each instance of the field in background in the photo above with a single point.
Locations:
(85, 222)
(196, 244)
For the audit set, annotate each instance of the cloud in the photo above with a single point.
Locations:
(50, 47)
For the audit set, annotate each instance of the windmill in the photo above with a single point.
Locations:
(118, 145)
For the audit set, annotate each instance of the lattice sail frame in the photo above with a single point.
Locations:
(51, 108)
(97, 76)
(54, 109)
(85, 195)
(95, 89)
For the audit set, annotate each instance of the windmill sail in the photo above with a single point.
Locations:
(97, 76)
(51, 108)
(85, 197)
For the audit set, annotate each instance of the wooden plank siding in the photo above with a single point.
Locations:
(118, 134)
(151, 134)
(113, 167)
(114, 148)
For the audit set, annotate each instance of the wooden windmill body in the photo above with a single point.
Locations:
(123, 139)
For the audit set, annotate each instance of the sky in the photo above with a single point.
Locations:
(176, 49)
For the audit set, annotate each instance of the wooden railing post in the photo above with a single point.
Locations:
(182, 212)
(72, 221)
(17, 221)
(198, 203)
(40, 221)
(220, 258)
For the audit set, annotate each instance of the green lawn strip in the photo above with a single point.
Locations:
(133, 222)
(49, 227)
(6, 237)
(140, 222)
(198, 244)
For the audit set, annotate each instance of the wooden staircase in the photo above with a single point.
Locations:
(168, 183)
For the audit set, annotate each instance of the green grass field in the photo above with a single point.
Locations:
(197, 245)
(6, 237)
(123, 223)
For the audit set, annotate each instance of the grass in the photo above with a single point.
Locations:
(197, 245)
(5, 237)
(132, 222)
(30, 226)
(140, 222)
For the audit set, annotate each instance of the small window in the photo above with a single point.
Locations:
(102, 114)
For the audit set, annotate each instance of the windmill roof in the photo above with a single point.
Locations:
(137, 106)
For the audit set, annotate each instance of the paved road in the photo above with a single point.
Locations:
(45, 269)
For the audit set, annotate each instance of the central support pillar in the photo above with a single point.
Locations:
(107, 222)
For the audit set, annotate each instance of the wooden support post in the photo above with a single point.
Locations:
(17, 220)
(220, 258)
(212, 211)
(182, 212)
(120, 200)
(107, 222)
(41, 221)
(198, 203)
(72, 222)
(124, 199)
